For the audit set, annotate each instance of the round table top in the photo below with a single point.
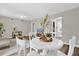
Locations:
(38, 44)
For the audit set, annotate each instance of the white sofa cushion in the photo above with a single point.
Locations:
(4, 42)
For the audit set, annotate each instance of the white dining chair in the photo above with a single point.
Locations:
(32, 52)
(22, 45)
(35, 51)
(31, 36)
(71, 47)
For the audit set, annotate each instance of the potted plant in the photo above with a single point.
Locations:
(49, 36)
(14, 32)
(1, 29)
(19, 33)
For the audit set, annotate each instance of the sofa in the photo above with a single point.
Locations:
(4, 42)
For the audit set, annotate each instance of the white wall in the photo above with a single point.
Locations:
(70, 24)
(10, 24)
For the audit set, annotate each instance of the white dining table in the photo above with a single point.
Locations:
(38, 44)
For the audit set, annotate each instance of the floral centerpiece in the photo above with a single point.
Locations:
(46, 38)
(44, 21)
(40, 30)
(49, 36)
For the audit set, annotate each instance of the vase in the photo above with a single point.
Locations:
(40, 30)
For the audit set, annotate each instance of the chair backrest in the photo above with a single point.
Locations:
(32, 35)
(71, 46)
(20, 42)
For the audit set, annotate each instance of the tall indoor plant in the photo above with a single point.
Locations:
(1, 29)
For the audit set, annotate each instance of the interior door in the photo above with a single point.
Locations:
(57, 27)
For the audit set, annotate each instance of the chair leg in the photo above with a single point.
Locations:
(24, 51)
(19, 51)
(30, 49)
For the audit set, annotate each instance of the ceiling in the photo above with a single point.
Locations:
(31, 11)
